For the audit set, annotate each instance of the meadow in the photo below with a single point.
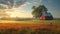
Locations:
(32, 21)
(30, 27)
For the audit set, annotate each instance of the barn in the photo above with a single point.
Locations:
(46, 16)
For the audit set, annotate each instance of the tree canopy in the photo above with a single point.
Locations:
(37, 10)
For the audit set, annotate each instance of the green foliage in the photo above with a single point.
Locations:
(37, 10)
(33, 7)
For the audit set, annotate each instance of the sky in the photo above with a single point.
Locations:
(23, 8)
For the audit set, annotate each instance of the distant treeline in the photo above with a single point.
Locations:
(20, 19)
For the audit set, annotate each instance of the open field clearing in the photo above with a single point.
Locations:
(30, 27)
(32, 21)
(39, 23)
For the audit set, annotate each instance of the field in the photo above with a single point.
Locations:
(32, 21)
(30, 27)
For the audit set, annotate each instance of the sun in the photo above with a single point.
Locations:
(17, 12)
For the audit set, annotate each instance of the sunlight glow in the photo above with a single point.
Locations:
(17, 12)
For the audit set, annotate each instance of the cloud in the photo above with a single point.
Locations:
(16, 3)
(11, 3)
(37, 1)
(8, 5)
(26, 3)
(3, 14)
(2, 6)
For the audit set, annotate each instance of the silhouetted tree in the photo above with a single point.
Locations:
(37, 10)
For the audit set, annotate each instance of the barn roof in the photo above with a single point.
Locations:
(47, 13)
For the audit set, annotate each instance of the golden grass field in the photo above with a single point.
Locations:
(46, 23)
(39, 23)
(32, 21)
(30, 27)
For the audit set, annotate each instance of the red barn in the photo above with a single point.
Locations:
(46, 16)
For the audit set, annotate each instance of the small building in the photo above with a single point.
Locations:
(46, 16)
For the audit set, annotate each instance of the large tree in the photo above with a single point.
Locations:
(37, 10)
